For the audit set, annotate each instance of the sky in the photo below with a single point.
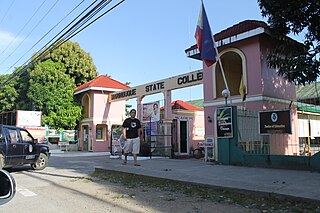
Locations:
(140, 41)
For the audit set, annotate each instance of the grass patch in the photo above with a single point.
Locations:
(265, 202)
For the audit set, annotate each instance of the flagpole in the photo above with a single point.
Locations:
(221, 68)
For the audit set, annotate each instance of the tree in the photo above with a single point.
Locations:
(51, 91)
(8, 94)
(298, 64)
(79, 64)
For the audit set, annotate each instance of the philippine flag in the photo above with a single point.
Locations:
(204, 39)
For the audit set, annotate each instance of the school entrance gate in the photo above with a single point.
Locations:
(173, 132)
(240, 145)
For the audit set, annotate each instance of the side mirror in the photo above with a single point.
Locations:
(7, 187)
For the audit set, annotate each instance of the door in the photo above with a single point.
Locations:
(15, 148)
(174, 136)
(29, 148)
(183, 137)
(85, 130)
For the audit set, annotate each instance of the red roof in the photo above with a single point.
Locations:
(236, 29)
(178, 104)
(103, 82)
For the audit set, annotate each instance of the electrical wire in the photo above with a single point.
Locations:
(71, 32)
(49, 32)
(23, 28)
(5, 14)
(39, 22)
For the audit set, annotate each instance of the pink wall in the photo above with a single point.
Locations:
(195, 124)
(262, 82)
(102, 112)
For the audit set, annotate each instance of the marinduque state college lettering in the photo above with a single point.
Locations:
(124, 94)
(176, 82)
(190, 78)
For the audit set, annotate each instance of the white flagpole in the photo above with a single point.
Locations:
(221, 68)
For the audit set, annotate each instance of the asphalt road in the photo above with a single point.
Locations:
(66, 187)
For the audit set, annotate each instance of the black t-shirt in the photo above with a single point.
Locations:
(131, 126)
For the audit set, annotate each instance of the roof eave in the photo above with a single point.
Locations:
(193, 51)
(96, 88)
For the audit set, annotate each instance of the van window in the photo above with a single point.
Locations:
(1, 136)
(26, 137)
(13, 135)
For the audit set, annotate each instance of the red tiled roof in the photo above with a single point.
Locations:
(178, 104)
(236, 29)
(104, 82)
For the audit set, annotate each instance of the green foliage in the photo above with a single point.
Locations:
(296, 63)
(8, 94)
(128, 107)
(51, 91)
(48, 86)
(79, 64)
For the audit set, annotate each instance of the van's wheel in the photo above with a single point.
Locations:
(41, 163)
(1, 161)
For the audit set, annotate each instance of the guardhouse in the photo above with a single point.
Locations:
(99, 115)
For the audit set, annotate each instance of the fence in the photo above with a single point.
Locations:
(249, 139)
(157, 143)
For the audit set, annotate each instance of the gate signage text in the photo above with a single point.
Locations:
(224, 122)
(275, 122)
(176, 82)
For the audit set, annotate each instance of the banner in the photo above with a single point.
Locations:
(151, 112)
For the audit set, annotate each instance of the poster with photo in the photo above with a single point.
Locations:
(151, 112)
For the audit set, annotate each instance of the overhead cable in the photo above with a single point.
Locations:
(71, 32)
(39, 22)
(22, 28)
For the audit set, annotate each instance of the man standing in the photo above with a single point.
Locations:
(132, 133)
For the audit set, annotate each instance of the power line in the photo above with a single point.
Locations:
(5, 14)
(50, 30)
(71, 32)
(39, 22)
(23, 28)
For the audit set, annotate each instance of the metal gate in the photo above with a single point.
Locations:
(249, 139)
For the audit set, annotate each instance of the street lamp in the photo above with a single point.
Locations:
(225, 93)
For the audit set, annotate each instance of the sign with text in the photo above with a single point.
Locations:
(151, 112)
(176, 82)
(28, 118)
(275, 122)
(224, 122)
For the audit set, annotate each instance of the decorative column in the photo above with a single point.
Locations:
(167, 121)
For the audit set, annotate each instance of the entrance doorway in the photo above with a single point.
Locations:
(85, 130)
(183, 137)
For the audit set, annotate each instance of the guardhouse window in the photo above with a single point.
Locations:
(86, 108)
(232, 66)
(100, 132)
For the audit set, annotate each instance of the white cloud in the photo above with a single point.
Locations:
(8, 38)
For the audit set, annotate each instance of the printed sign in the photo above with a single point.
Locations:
(275, 122)
(172, 83)
(151, 112)
(29, 118)
(224, 122)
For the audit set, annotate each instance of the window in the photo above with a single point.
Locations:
(232, 63)
(26, 137)
(86, 106)
(100, 132)
(13, 135)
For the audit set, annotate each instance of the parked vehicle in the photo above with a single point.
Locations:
(18, 147)
(7, 187)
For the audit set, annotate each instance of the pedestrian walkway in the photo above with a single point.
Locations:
(304, 184)
(296, 183)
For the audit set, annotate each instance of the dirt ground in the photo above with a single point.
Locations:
(146, 194)
(147, 199)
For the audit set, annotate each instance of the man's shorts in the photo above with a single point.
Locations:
(132, 145)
